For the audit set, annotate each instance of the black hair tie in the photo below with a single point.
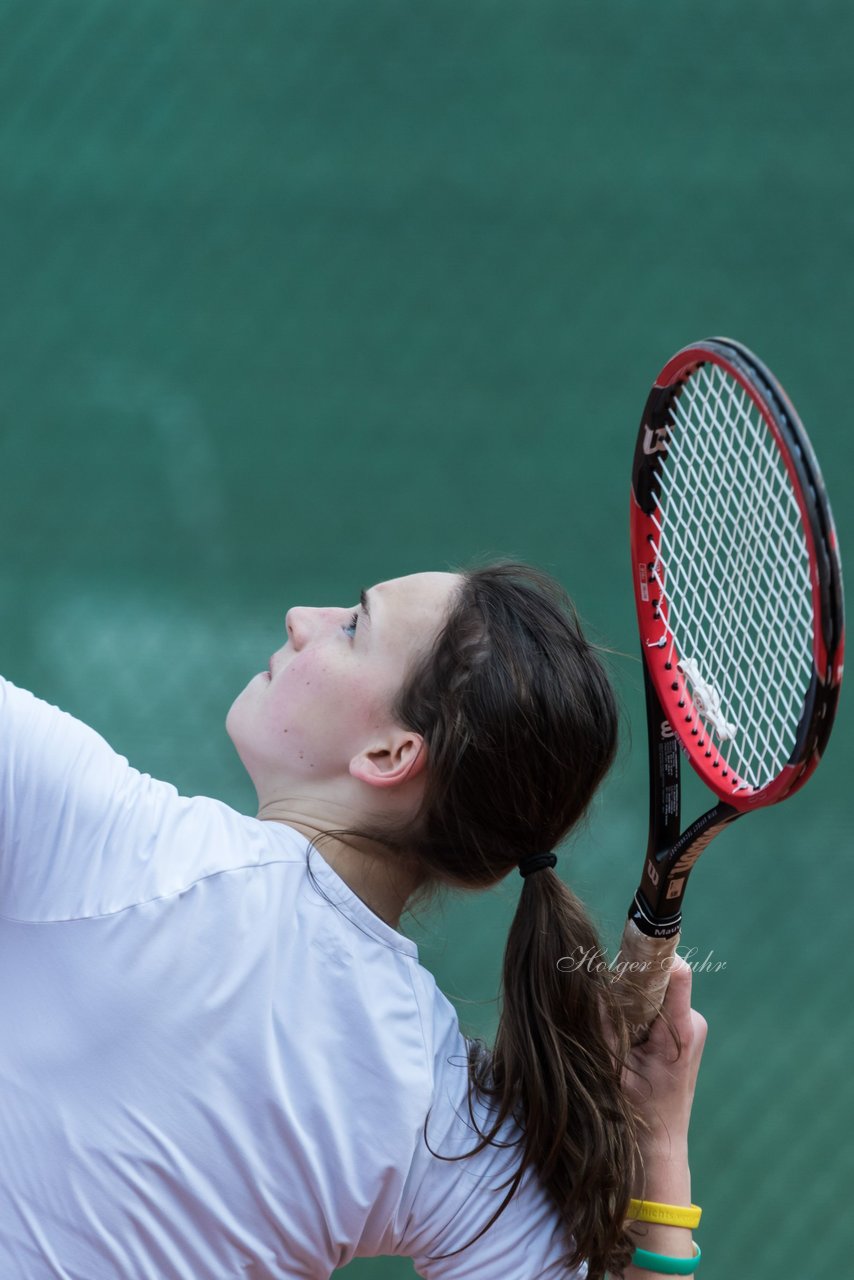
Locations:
(536, 862)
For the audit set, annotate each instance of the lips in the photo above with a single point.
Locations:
(277, 661)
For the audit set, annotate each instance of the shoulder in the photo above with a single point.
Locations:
(85, 834)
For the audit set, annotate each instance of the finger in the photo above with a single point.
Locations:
(673, 1032)
(692, 1025)
(677, 998)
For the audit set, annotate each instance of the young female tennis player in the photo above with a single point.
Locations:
(221, 1058)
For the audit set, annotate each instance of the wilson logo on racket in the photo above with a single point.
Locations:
(686, 862)
(655, 440)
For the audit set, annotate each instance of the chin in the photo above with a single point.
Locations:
(235, 742)
(232, 722)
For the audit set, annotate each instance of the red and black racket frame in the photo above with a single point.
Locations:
(673, 724)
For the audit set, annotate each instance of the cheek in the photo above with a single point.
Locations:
(316, 698)
(303, 698)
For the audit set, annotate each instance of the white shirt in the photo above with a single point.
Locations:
(215, 1060)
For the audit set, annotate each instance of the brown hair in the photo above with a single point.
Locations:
(521, 726)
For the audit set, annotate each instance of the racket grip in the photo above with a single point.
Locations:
(641, 977)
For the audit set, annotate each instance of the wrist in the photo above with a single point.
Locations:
(664, 1175)
(663, 1150)
(671, 1240)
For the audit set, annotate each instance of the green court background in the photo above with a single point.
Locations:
(301, 296)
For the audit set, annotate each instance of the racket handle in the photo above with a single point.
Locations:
(641, 984)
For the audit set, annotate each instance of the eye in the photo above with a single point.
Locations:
(350, 628)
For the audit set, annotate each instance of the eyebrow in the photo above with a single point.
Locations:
(364, 602)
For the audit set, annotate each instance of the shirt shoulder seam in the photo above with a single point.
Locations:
(160, 897)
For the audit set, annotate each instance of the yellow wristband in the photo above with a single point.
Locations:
(666, 1215)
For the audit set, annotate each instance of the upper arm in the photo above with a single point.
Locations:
(70, 807)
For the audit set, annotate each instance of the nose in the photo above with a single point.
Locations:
(304, 624)
(298, 625)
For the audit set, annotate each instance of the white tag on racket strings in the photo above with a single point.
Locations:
(707, 700)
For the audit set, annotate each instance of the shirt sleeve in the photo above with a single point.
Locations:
(451, 1194)
(77, 823)
(524, 1242)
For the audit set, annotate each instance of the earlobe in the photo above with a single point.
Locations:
(391, 765)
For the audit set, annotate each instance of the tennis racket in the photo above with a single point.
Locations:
(738, 588)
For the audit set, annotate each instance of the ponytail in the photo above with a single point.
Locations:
(553, 1061)
(520, 724)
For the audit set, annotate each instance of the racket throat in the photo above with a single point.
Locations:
(657, 905)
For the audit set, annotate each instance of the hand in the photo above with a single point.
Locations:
(660, 1077)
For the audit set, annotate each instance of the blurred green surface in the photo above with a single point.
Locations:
(301, 296)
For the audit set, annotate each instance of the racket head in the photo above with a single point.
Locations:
(737, 576)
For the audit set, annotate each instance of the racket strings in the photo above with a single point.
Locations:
(732, 568)
(746, 569)
(744, 566)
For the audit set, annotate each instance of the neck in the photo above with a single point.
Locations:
(382, 879)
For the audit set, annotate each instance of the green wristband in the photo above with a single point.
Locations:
(666, 1266)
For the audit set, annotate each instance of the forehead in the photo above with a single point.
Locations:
(428, 594)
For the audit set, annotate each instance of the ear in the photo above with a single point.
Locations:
(396, 761)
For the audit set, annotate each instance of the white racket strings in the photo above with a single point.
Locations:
(732, 571)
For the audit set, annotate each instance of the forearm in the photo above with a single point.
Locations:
(667, 1180)
(661, 1076)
